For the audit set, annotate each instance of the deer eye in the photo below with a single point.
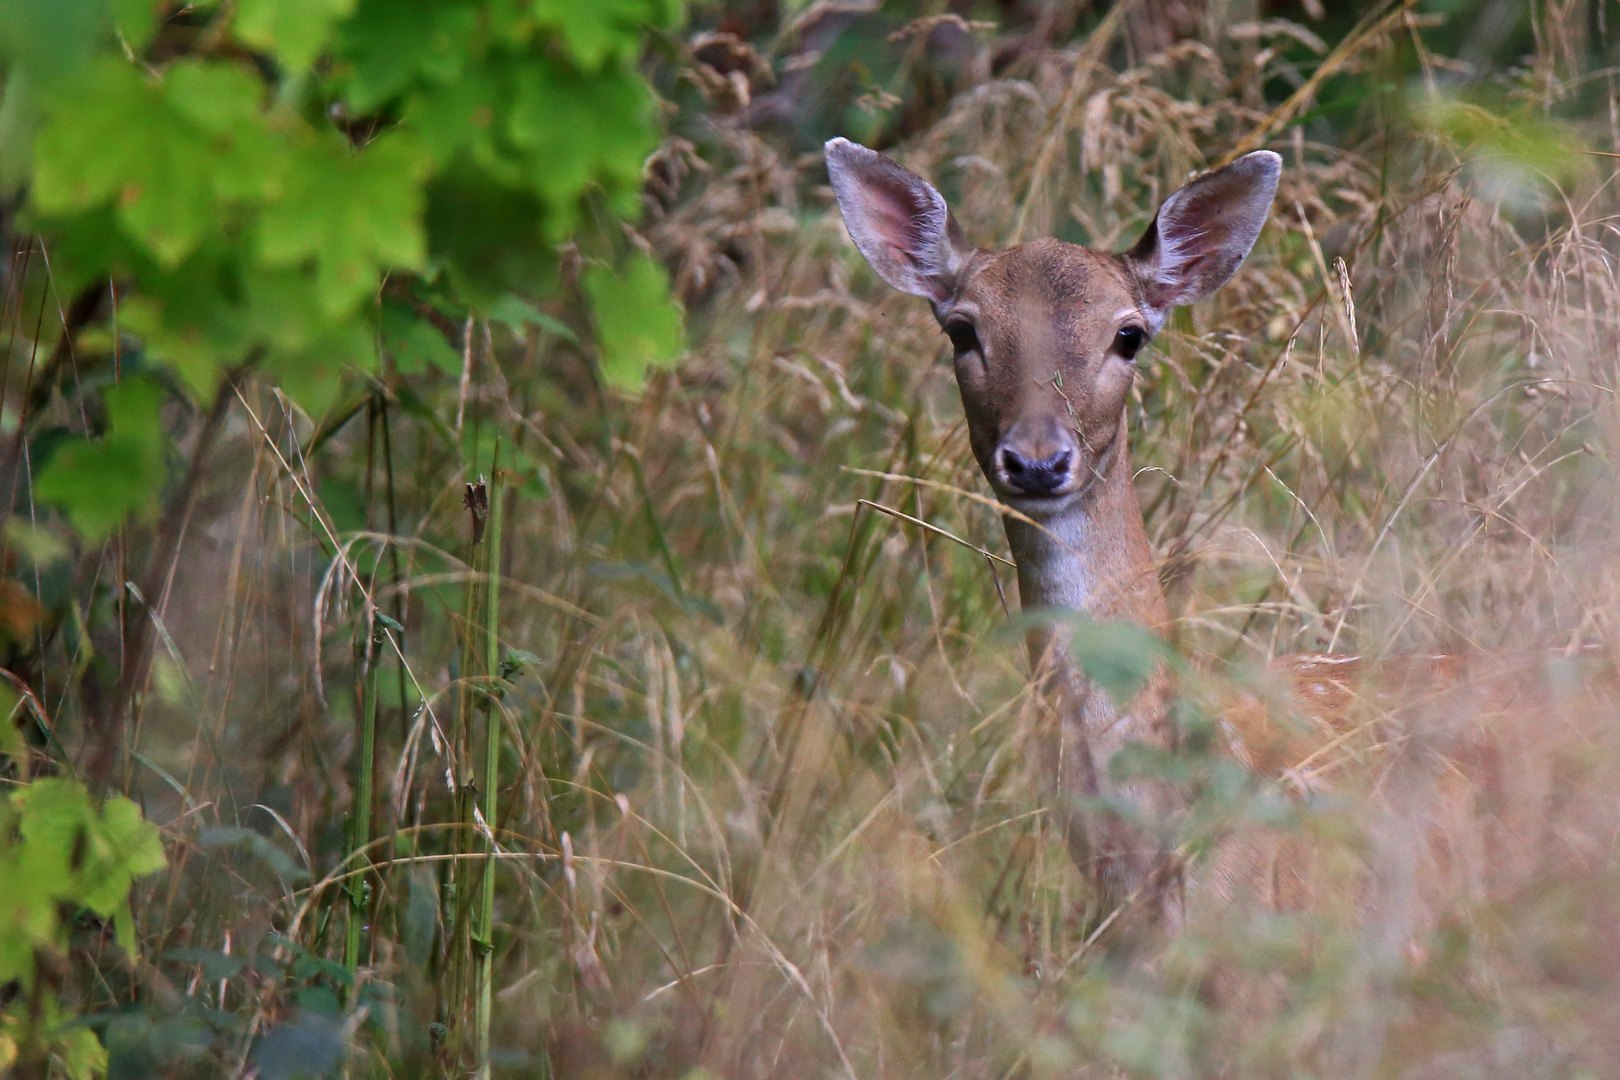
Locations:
(1129, 341)
(964, 339)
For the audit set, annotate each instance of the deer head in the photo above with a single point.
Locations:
(1046, 334)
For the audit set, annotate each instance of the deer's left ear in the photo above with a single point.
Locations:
(1203, 232)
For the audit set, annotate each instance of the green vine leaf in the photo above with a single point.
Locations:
(581, 131)
(57, 849)
(352, 214)
(294, 31)
(168, 154)
(99, 482)
(391, 44)
(637, 324)
(605, 29)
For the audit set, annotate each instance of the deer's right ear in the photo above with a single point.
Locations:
(898, 221)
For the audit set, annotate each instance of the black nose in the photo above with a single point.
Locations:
(1035, 477)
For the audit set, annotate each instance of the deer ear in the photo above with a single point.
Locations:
(898, 221)
(1203, 232)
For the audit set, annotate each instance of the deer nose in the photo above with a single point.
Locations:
(1035, 477)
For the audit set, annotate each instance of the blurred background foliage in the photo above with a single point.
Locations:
(434, 435)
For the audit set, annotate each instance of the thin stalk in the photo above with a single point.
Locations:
(485, 936)
(462, 938)
(360, 821)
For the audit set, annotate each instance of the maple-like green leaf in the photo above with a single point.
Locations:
(294, 31)
(48, 40)
(637, 324)
(604, 29)
(166, 154)
(98, 482)
(119, 846)
(136, 20)
(311, 373)
(193, 318)
(57, 849)
(352, 214)
(518, 314)
(414, 343)
(306, 349)
(242, 221)
(488, 235)
(581, 130)
(109, 138)
(219, 98)
(80, 1052)
(389, 44)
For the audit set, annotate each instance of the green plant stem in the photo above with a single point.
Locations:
(485, 937)
(360, 830)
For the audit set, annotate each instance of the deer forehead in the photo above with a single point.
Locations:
(1048, 294)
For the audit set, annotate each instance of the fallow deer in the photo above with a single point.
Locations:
(1045, 337)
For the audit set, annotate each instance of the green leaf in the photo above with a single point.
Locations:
(488, 235)
(136, 20)
(312, 373)
(120, 847)
(49, 40)
(1120, 657)
(390, 44)
(459, 119)
(582, 131)
(218, 98)
(352, 213)
(415, 343)
(192, 317)
(81, 1053)
(11, 738)
(35, 543)
(64, 852)
(516, 314)
(109, 138)
(294, 31)
(258, 845)
(604, 29)
(168, 154)
(637, 324)
(19, 122)
(98, 483)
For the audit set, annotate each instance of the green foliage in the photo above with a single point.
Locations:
(348, 215)
(1119, 656)
(607, 30)
(414, 343)
(170, 156)
(73, 1046)
(636, 323)
(250, 188)
(291, 30)
(59, 852)
(1515, 154)
(99, 481)
(57, 848)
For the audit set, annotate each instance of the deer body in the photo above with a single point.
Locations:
(1045, 338)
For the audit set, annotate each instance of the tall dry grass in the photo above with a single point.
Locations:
(770, 800)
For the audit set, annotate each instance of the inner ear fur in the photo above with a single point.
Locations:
(1204, 231)
(898, 220)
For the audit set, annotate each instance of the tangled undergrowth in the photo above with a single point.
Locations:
(770, 801)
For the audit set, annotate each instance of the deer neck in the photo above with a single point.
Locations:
(1092, 555)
